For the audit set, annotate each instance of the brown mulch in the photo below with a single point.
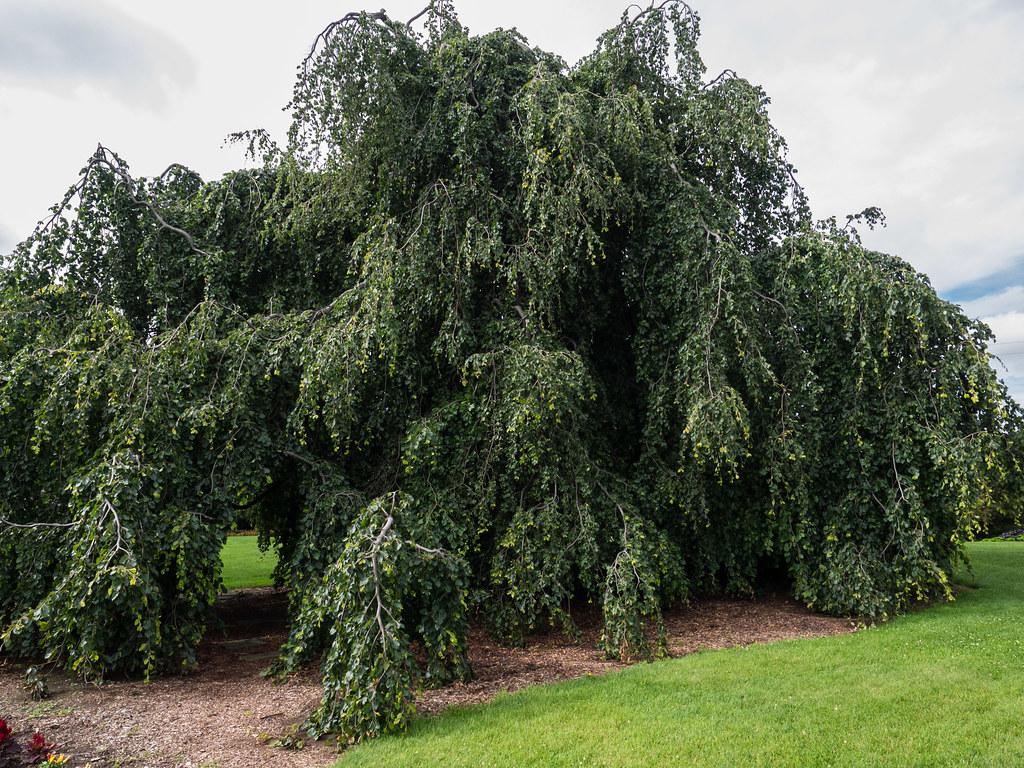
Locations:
(223, 714)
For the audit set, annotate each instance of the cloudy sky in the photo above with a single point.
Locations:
(916, 106)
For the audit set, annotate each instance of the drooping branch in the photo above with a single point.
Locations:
(104, 158)
(654, 7)
(351, 18)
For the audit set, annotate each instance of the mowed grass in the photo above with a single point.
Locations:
(943, 686)
(244, 565)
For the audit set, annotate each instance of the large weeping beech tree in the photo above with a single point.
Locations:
(489, 337)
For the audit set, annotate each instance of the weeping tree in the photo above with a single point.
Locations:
(487, 337)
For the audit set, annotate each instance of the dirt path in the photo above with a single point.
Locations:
(221, 716)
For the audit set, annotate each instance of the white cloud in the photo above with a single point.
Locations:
(999, 303)
(1008, 327)
(6, 241)
(1009, 348)
(62, 46)
(913, 106)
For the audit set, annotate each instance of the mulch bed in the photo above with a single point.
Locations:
(224, 714)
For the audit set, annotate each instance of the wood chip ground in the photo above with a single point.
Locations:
(223, 715)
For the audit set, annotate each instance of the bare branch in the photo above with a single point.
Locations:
(374, 557)
(9, 524)
(725, 74)
(423, 12)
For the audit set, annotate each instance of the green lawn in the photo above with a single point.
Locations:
(940, 687)
(245, 565)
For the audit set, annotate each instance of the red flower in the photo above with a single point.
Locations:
(5, 731)
(38, 744)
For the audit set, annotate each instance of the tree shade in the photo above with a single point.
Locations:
(490, 336)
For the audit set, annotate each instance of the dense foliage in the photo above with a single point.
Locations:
(489, 336)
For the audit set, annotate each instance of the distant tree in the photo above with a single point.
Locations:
(488, 336)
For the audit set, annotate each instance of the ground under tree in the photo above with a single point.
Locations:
(487, 336)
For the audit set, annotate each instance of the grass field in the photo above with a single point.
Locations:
(244, 564)
(940, 687)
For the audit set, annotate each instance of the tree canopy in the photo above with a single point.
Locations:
(487, 337)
